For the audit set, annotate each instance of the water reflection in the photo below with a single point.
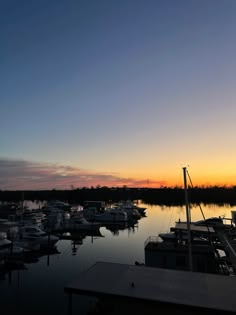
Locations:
(34, 257)
(75, 244)
(115, 229)
(77, 238)
(47, 273)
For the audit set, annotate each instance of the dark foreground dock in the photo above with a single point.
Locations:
(158, 288)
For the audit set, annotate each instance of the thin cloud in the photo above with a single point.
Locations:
(29, 175)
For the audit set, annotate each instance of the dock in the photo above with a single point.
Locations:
(181, 289)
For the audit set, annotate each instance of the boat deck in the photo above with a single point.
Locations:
(197, 290)
(182, 226)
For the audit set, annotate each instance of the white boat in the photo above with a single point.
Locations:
(11, 228)
(131, 209)
(55, 219)
(56, 204)
(77, 223)
(27, 245)
(132, 213)
(30, 222)
(33, 233)
(111, 216)
(7, 247)
(5, 244)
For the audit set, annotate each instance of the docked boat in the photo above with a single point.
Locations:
(216, 222)
(188, 246)
(131, 208)
(11, 228)
(56, 205)
(36, 235)
(5, 244)
(108, 215)
(79, 223)
(176, 237)
(111, 216)
(7, 247)
(27, 244)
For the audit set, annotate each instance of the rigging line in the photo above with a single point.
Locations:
(162, 225)
(198, 202)
(170, 217)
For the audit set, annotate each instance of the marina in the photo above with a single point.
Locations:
(47, 273)
(105, 105)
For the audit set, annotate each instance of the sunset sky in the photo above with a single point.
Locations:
(117, 92)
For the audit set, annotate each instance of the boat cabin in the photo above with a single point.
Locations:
(172, 255)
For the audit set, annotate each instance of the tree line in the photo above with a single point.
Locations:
(159, 196)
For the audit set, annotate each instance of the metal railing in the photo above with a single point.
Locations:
(151, 239)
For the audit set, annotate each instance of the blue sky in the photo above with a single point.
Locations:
(132, 90)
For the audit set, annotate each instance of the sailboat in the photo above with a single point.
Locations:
(185, 250)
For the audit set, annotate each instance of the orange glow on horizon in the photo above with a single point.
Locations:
(27, 175)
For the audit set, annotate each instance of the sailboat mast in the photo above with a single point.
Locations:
(188, 220)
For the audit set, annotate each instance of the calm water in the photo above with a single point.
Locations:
(39, 289)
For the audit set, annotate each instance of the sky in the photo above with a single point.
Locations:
(117, 92)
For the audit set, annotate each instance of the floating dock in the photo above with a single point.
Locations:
(181, 289)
